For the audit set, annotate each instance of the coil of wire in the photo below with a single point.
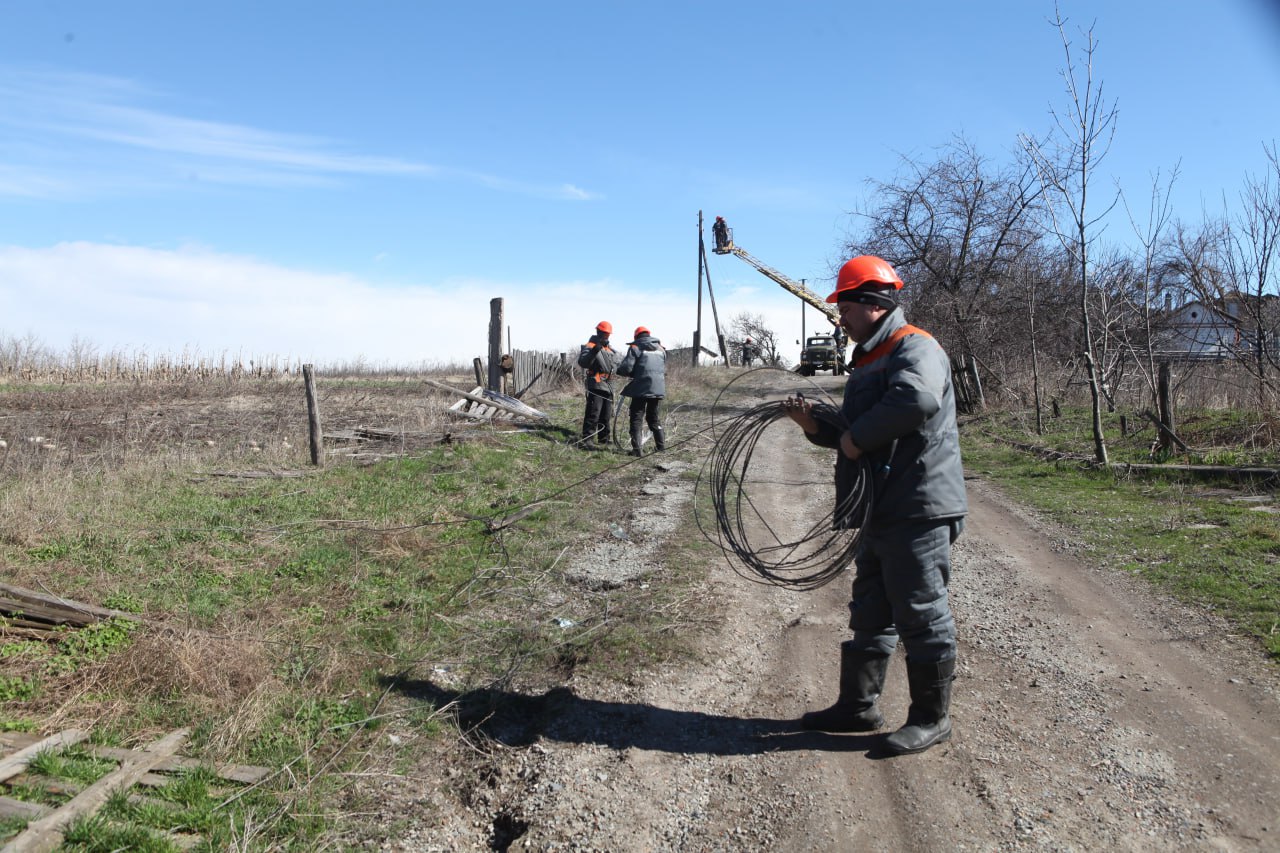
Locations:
(821, 552)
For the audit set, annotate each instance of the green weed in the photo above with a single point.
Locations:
(90, 644)
(15, 688)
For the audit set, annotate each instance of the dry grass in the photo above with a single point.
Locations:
(278, 610)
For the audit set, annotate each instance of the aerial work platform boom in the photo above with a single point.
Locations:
(724, 246)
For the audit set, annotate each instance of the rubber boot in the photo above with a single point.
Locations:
(929, 718)
(636, 449)
(861, 680)
(659, 439)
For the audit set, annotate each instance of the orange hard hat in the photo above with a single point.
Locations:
(604, 326)
(862, 270)
(640, 330)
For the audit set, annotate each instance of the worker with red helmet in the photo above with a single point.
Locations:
(599, 362)
(646, 364)
(899, 409)
(720, 231)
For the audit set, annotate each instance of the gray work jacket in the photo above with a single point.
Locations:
(646, 364)
(901, 412)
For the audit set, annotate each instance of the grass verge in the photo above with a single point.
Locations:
(1212, 545)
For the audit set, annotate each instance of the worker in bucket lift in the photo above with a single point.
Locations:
(720, 231)
(899, 406)
(599, 362)
(646, 364)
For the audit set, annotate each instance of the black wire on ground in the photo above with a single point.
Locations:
(821, 552)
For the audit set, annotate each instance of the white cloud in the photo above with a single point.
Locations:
(158, 301)
(59, 113)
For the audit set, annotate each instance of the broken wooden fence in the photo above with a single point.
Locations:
(36, 615)
(149, 767)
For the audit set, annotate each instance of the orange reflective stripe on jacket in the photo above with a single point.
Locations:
(885, 347)
(600, 377)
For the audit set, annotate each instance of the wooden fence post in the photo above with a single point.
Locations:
(1166, 405)
(313, 412)
(495, 344)
(977, 383)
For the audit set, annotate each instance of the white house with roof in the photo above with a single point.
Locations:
(1212, 330)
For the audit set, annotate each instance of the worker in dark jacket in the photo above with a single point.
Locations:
(899, 407)
(599, 362)
(720, 231)
(646, 364)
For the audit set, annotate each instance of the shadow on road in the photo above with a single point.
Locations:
(514, 719)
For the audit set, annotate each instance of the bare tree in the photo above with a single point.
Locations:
(955, 228)
(1079, 142)
(1151, 237)
(745, 325)
(1232, 265)
(1253, 263)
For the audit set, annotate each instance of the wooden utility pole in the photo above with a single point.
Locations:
(711, 294)
(697, 334)
(495, 344)
(802, 307)
(313, 413)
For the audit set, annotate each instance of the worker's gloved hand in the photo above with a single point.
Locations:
(800, 410)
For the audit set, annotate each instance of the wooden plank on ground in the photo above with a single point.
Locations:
(244, 773)
(20, 809)
(476, 413)
(25, 613)
(17, 740)
(30, 596)
(494, 400)
(12, 765)
(45, 834)
(468, 407)
(514, 405)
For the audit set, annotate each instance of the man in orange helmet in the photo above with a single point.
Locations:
(900, 430)
(599, 361)
(646, 364)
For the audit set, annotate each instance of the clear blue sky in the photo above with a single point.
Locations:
(327, 181)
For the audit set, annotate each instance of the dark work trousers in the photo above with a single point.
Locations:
(900, 590)
(595, 424)
(645, 409)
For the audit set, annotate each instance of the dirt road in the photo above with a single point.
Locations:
(1089, 713)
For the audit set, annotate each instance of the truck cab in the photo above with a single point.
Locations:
(820, 352)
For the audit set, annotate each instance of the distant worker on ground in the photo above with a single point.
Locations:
(599, 362)
(839, 336)
(899, 405)
(720, 231)
(646, 364)
(750, 352)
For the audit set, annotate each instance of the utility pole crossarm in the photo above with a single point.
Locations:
(795, 288)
